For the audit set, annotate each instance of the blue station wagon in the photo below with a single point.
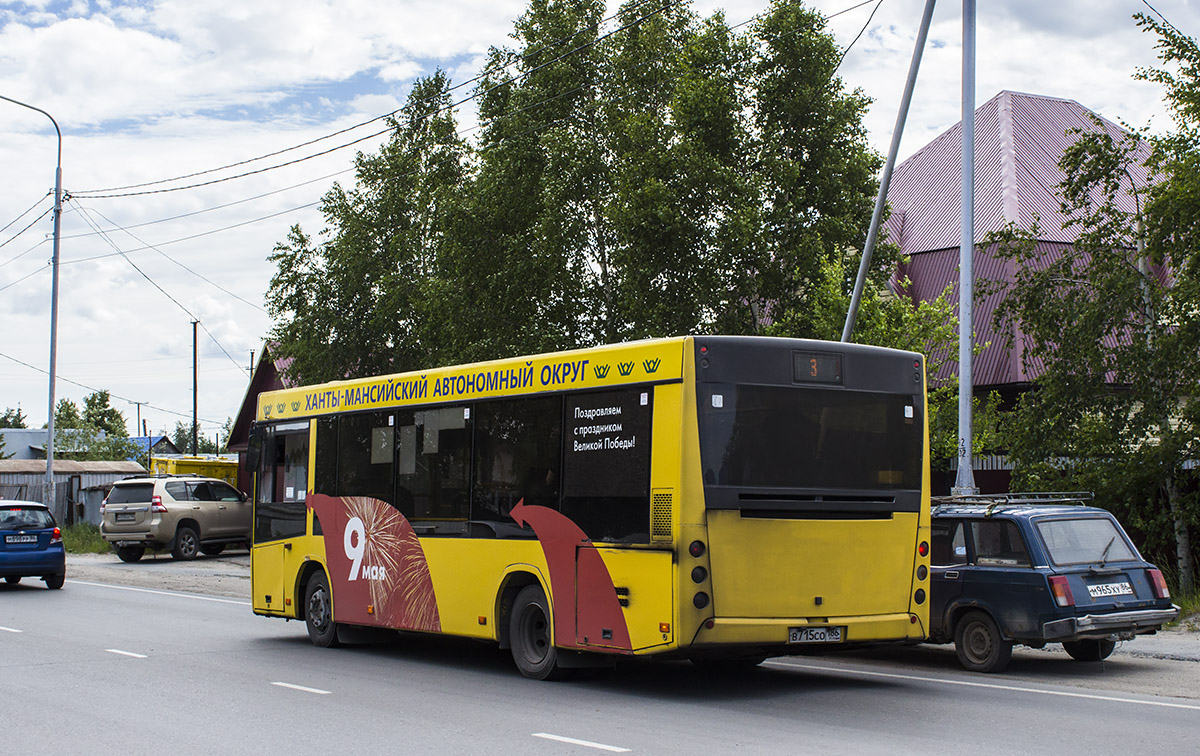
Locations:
(30, 544)
(1036, 569)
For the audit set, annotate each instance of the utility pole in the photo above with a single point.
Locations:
(143, 427)
(195, 392)
(964, 483)
(48, 497)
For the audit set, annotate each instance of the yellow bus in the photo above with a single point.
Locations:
(715, 498)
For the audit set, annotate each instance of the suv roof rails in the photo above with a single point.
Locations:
(1020, 499)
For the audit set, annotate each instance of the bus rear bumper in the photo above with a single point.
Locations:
(797, 635)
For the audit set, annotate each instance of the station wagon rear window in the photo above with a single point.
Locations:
(1090, 540)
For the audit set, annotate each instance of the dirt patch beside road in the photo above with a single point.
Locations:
(225, 575)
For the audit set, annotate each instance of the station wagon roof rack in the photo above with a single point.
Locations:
(1021, 499)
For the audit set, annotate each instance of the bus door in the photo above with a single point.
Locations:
(279, 511)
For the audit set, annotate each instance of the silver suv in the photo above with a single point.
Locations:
(187, 514)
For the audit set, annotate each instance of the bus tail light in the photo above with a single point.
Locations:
(923, 548)
(156, 505)
(56, 536)
(1061, 591)
(1160, 585)
(696, 549)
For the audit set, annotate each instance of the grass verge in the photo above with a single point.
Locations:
(84, 538)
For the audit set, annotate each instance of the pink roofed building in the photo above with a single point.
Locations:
(1019, 140)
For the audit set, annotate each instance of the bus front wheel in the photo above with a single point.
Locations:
(318, 612)
(532, 637)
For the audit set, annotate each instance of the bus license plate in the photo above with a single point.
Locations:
(815, 634)
(1110, 589)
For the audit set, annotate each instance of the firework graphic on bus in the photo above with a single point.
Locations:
(377, 566)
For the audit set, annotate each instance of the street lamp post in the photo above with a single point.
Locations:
(48, 487)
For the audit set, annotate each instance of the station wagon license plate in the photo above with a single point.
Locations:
(832, 634)
(20, 539)
(125, 516)
(1110, 589)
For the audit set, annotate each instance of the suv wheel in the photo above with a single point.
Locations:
(130, 553)
(212, 549)
(187, 543)
(979, 644)
(1089, 650)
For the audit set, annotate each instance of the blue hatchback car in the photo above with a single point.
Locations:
(1036, 569)
(30, 544)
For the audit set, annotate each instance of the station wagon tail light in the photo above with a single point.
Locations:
(1160, 585)
(56, 536)
(156, 505)
(1061, 591)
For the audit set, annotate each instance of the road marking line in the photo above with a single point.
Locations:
(162, 593)
(318, 691)
(126, 653)
(994, 686)
(586, 743)
(11, 630)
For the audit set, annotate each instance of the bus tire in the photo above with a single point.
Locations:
(979, 645)
(318, 612)
(531, 635)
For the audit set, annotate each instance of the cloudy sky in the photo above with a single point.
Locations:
(150, 90)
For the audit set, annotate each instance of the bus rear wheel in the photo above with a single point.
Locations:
(318, 612)
(532, 636)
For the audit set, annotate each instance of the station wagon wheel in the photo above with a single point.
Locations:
(318, 612)
(130, 553)
(1090, 649)
(979, 644)
(187, 543)
(532, 636)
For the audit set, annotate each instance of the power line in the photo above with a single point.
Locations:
(22, 215)
(87, 218)
(95, 195)
(111, 394)
(14, 236)
(172, 259)
(460, 134)
(22, 278)
(477, 77)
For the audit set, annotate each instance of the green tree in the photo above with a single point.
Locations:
(88, 443)
(182, 438)
(362, 300)
(13, 418)
(1112, 323)
(98, 413)
(67, 415)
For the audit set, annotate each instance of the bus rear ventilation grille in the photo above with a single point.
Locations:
(660, 516)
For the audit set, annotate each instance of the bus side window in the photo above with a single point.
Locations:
(282, 482)
(517, 449)
(433, 464)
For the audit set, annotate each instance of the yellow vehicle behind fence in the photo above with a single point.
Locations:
(721, 499)
(205, 465)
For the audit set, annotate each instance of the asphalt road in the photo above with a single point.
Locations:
(98, 669)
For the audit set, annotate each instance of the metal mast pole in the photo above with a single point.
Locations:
(886, 178)
(48, 497)
(195, 393)
(965, 480)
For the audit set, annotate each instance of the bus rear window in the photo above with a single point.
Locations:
(805, 437)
